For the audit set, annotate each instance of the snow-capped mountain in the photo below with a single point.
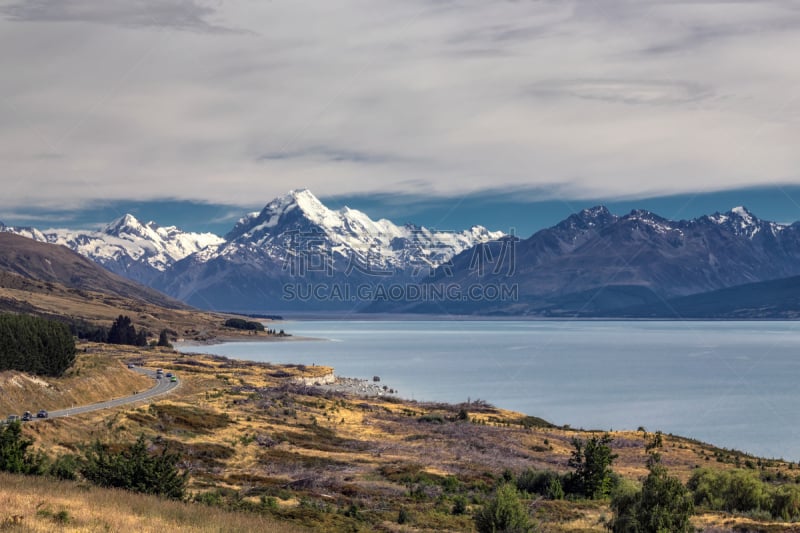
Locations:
(592, 262)
(296, 239)
(126, 246)
(299, 219)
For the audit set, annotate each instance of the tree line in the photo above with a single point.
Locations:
(35, 345)
(122, 331)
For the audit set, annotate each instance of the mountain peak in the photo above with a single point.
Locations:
(126, 221)
(742, 212)
(592, 218)
(596, 211)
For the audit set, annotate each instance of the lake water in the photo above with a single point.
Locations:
(734, 384)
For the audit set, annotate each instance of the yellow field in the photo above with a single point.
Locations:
(44, 505)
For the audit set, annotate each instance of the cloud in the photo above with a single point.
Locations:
(176, 14)
(551, 99)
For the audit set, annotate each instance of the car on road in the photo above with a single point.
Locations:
(158, 376)
(173, 379)
(131, 365)
(159, 371)
(27, 416)
(169, 374)
(42, 414)
(13, 418)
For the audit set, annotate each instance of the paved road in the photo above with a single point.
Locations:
(162, 386)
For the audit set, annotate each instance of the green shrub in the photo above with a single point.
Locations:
(505, 512)
(459, 505)
(742, 491)
(403, 517)
(662, 505)
(135, 469)
(542, 482)
(15, 453)
(64, 467)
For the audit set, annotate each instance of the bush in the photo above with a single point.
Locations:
(743, 492)
(15, 454)
(542, 482)
(135, 469)
(504, 512)
(402, 516)
(662, 505)
(64, 467)
(459, 505)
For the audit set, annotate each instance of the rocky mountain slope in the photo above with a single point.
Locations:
(595, 261)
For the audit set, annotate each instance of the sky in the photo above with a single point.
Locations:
(447, 113)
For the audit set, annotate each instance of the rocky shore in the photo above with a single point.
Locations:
(358, 387)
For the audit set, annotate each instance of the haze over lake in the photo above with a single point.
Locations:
(733, 384)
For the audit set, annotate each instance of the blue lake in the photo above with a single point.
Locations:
(734, 384)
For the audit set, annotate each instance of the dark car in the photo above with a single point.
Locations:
(27, 416)
(169, 374)
(42, 414)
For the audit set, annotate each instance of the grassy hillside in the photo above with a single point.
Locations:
(44, 505)
(58, 264)
(23, 295)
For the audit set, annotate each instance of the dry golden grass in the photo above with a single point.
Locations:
(44, 505)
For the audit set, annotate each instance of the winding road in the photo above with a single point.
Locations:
(162, 386)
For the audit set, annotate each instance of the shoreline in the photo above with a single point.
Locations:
(223, 339)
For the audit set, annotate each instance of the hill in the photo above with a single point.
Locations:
(58, 264)
(774, 299)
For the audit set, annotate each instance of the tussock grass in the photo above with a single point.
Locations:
(43, 505)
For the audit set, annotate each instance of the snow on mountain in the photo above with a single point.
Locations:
(286, 221)
(126, 246)
(741, 222)
(25, 231)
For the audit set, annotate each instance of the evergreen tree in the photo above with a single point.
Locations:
(36, 345)
(123, 332)
(163, 339)
(592, 461)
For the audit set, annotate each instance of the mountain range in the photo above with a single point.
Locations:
(593, 263)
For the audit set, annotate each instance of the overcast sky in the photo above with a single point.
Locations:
(238, 102)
